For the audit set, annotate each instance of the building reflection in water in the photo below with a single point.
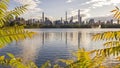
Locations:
(43, 40)
(71, 36)
(66, 36)
(72, 40)
(81, 39)
(61, 35)
(85, 40)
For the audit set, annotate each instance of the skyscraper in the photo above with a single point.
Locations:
(61, 20)
(79, 17)
(66, 16)
(71, 19)
(91, 21)
(118, 21)
(43, 17)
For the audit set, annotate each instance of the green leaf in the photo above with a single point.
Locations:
(2, 58)
(46, 65)
(10, 55)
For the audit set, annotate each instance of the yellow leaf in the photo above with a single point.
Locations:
(113, 10)
(2, 58)
(117, 8)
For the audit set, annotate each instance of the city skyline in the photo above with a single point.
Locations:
(55, 9)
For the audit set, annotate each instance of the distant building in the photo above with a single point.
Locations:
(41, 21)
(118, 21)
(66, 16)
(33, 21)
(79, 17)
(91, 21)
(19, 21)
(83, 22)
(108, 22)
(66, 22)
(47, 21)
(58, 22)
(111, 21)
(99, 22)
(71, 20)
(43, 17)
(61, 20)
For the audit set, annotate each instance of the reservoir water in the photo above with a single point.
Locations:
(53, 44)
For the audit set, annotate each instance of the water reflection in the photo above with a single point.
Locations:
(79, 35)
(43, 38)
(53, 44)
(30, 48)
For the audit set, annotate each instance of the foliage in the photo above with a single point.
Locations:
(112, 45)
(112, 38)
(84, 60)
(116, 13)
(37, 25)
(14, 62)
(46, 65)
(7, 15)
(57, 66)
(110, 25)
(9, 34)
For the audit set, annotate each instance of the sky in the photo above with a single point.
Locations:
(55, 9)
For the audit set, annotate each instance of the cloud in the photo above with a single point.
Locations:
(38, 17)
(69, 1)
(101, 3)
(33, 8)
(32, 3)
(84, 13)
(102, 18)
(34, 11)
